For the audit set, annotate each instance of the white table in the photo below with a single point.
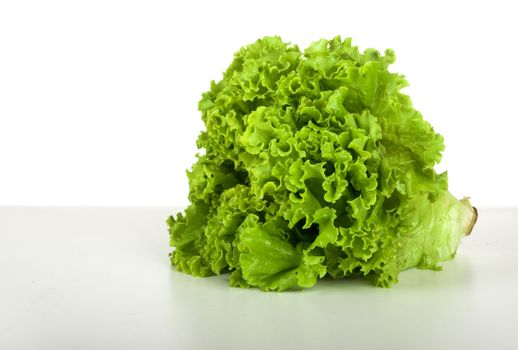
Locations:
(99, 278)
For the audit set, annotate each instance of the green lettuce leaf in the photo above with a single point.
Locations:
(315, 164)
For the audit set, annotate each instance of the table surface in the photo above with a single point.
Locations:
(99, 278)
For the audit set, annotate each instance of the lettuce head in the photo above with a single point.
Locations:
(314, 164)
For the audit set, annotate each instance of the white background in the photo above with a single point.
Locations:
(98, 99)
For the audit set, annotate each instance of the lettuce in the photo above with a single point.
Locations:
(314, 164)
